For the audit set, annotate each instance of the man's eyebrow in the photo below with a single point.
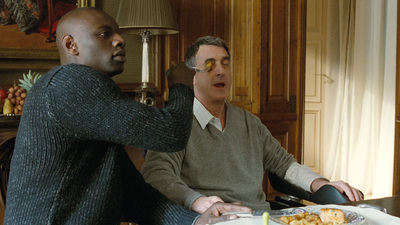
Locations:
(210, 60)
(213, 59)
(108, 28)
(104, 27)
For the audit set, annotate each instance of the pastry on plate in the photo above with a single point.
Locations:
(332, 215)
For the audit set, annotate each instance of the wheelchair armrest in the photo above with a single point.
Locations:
(283, 186)
(328, 194)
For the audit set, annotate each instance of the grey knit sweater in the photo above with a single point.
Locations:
(227, 164)
(69, 165)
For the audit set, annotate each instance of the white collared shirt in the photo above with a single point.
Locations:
(204, 116)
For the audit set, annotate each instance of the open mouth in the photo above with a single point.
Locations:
(219, 85)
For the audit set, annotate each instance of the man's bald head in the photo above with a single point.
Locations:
(68, 26)
(89, 36)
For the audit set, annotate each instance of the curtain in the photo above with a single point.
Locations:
(360, 102)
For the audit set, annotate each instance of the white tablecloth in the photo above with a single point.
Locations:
(372, 216)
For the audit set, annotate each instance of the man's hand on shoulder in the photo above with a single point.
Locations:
(180, 74)
(214, 213)
(201, 204)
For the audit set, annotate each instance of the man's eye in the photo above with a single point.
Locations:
(104, 34)
(209, 66)
(226, 62)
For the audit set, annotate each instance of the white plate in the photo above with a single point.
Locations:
(351, 217)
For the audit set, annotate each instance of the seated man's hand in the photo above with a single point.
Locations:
(352, 193)
(213, 213)
(201, 204)
(180, 74)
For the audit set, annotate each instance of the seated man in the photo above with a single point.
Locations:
(229, 148)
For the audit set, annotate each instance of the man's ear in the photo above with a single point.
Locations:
(194, 80)
(69, 45)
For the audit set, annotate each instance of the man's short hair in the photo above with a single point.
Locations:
(190, 56)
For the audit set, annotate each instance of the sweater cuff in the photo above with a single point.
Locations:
(301, 175)
(190, 200)
(194, 221)
(189, 217)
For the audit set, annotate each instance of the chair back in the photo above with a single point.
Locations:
(6, 152)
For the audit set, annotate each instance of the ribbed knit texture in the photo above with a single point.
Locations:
(69, 165)
(230, 165)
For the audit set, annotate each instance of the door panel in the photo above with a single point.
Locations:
(315, 84)
(396, 170)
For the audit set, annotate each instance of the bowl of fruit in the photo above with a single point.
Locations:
(12, 100)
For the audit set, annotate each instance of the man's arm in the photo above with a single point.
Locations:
(304, 177)
(162, 171)
(105, 113)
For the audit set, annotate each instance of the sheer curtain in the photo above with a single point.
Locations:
(360, 103)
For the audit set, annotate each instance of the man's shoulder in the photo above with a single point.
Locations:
(237, 110)
(69, 69)
(76, 73)
(76, 68)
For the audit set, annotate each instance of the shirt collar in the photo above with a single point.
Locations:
(204, 116)
(201, 113)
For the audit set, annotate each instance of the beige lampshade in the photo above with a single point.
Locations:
(156, 16)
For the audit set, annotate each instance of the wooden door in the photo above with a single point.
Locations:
(283, 72)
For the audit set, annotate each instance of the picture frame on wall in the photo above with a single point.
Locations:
(33, 36)
(24, 51)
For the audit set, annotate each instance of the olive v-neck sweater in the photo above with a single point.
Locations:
(227, 164)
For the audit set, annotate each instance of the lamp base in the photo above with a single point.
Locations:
(146, 94)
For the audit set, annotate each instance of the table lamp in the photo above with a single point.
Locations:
(146, 18)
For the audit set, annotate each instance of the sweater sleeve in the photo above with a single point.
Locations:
(276, 159)
(162, 171)
(301, 175)
(89, 105)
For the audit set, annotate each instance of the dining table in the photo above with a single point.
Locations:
(379, 211)
(391, 204)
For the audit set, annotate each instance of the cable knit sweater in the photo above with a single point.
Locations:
(69, 165)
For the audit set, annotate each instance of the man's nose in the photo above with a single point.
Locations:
(219, 69)
(119, 41)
